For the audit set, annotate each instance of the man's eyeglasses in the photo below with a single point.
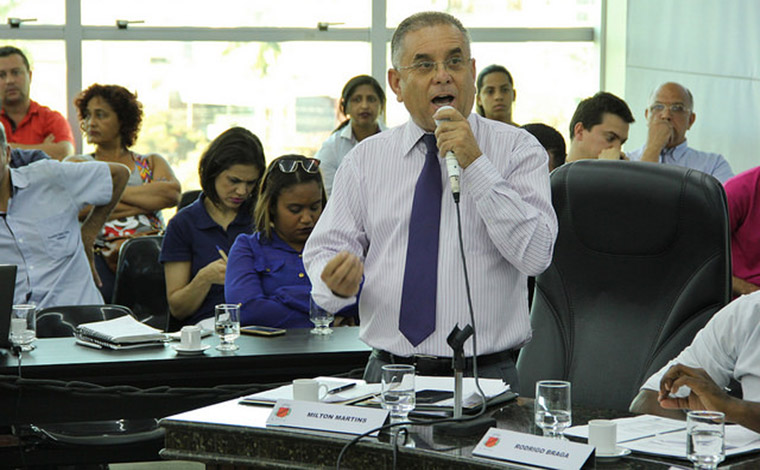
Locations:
(425, 67)
(289, 165)
(677, 108)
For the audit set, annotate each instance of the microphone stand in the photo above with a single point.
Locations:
(456, 340)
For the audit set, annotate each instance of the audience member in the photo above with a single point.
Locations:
(727, 347)
(362, 101)
(110, 116)
(28, 125)
(266, 275)
(496, 94)
(41, 235)
(743, 196)
(669, 115)
(199, 237)
(392, 199)
(599, 128)
(551, 140)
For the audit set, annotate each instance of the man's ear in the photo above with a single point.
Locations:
(514, 95)
(394, 80)
(692, 118)
(578, 131)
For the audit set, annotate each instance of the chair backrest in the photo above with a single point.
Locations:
(140, 283)
(62, 321)
(188, 197)
(640, 264)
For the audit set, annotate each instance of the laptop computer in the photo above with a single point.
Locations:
(7, 288)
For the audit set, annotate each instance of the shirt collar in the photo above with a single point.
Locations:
(412, 133)
(19, 178)
(276, 242)
(676, 153)
(204, 220)
(348, 133)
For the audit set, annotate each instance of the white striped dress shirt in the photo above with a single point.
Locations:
(508, 229)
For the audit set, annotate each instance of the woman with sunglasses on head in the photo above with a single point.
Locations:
(362, 101)
(265, 272)
(199, 237)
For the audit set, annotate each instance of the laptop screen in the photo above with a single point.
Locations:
(7, 288)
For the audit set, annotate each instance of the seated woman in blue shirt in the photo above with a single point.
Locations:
(199, 237)
(265, 272)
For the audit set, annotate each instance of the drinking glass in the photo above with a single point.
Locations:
(227, 325)
(397, 390)
(552, 407)
(705, 434)
(321, 319)
(23, 331)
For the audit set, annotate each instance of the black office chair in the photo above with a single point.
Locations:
(140, 283)
(188, 197)
(640, 265)
(62, 321)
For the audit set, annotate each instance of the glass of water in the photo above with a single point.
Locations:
(553, 412)
(705, 437)
(397, 390)
(23, 328)
(227, 326)
(321, 319)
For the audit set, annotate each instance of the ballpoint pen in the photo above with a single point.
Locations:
(342, 388)
(221, 253)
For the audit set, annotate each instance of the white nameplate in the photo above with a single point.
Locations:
(326, 417)
(532, 450)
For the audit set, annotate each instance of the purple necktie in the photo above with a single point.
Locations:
(417, 318)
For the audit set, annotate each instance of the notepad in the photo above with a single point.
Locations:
(120, 333)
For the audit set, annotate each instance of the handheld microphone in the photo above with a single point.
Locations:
(452, 166)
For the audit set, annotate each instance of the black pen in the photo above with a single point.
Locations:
(342, 388)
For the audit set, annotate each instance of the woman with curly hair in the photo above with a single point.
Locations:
(110, 117)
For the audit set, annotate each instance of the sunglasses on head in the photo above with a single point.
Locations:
(289, 165)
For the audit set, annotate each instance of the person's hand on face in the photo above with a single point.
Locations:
(612, 153)
(660, 133)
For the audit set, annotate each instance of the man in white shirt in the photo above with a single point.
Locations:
(728, 347)
(508, 224)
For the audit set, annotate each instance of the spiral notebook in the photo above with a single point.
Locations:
(121, 333)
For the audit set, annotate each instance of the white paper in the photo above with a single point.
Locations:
(637, 427)
(665, 436)
(360, 391)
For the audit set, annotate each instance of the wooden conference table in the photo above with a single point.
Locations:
(228, 435)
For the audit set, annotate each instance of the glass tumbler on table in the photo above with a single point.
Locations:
(321, 319)
(553, 412)
(705, 438)
(227, 326)
(23, 328)
(397, 390)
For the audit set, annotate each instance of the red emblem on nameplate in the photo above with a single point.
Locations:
(492, 441)
(283, 412)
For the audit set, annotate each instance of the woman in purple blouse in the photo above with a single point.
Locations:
(265, 272)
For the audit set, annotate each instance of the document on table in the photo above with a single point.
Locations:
(358, 392)
(494, 389)
(664, 436)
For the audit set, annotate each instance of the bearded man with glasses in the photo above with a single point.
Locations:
(669, 115)
(392, 221)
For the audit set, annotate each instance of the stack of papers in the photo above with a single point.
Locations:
(124, 332)
(665, 436)
(360, 390)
